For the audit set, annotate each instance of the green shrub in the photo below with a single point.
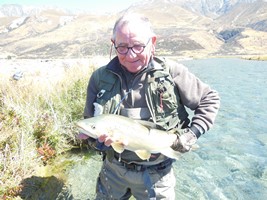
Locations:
(37, 123)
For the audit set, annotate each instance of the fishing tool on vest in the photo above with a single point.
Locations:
(122, 99)
(161, 90)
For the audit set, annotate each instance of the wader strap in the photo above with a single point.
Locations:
(110, 155)
(149, 185)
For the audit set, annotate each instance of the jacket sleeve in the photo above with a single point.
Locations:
(196, 95)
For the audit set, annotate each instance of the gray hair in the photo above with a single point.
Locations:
(132, 18)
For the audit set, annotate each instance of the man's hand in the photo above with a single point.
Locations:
(102, 143)
(102, 138)
(105, 139)
(82, 136)
(184, 142)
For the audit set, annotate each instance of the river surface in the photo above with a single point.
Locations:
(231, 162)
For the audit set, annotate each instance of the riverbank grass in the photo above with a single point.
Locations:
(37, 123)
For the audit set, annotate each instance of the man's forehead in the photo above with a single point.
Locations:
(133, 30)
(134, 23)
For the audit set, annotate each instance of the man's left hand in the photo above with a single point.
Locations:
(185, 141)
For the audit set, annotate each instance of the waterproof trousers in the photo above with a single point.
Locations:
(117, 182)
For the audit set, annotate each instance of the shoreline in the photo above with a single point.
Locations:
(54, 68)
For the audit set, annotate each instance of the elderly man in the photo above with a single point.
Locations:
(139, 85)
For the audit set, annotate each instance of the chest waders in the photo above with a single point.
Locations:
(162, 97)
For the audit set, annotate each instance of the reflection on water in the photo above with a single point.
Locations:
(231, 162)
(82, 178)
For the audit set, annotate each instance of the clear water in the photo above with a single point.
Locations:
(231, 162)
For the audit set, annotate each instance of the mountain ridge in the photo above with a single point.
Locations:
(182, 30)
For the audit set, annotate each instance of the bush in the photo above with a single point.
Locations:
(36, 123)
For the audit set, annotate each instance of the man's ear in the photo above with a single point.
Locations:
(154, 39)
(153, 47)
(111, 47)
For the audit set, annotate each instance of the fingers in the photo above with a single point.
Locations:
(105, 139)
(102, 138)
(108, 141)
(82, 136)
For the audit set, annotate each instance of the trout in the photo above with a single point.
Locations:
(130, 134)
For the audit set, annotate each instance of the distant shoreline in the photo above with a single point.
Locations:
(256, 57)
(180, 57)
(43, 66)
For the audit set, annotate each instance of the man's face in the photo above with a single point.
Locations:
(135, 35)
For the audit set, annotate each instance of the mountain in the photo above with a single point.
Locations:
(11, 10)
(184, 28)
(209, 8)
(214, 8)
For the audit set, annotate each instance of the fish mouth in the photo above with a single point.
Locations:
(83, 130)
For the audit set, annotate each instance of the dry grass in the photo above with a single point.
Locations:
(36, 122)
(256, 57)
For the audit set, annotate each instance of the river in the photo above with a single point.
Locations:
(231, 162)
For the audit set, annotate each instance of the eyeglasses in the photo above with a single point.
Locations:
(137, 49)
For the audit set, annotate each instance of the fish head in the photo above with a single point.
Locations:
(89, 127)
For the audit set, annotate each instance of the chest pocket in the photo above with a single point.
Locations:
(109, 94)
(164, 100)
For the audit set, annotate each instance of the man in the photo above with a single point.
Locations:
(139, 85)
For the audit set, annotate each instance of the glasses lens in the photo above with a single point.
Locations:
(138, 49)
(122, 50)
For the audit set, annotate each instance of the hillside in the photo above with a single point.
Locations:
(206, 28)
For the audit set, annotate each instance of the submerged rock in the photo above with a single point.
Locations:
(41, 188)
(72, 177)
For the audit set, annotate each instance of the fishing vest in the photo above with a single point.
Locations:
(162, 95)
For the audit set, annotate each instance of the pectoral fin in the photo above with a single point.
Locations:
(143, 154)
(118, 147)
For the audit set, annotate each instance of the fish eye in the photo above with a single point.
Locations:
(93, 126)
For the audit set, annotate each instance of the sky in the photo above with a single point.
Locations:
(89, 5)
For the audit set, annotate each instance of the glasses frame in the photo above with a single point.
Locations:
(132, 48)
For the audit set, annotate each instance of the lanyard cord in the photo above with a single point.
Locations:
(123, 98)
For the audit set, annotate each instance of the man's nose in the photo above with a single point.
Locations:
(131, 53)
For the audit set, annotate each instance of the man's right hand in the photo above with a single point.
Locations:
(101, 144)
(102, 138)
(105, 139)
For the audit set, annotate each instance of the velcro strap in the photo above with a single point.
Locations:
(195, 131)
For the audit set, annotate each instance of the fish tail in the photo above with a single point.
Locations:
(171, 153)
